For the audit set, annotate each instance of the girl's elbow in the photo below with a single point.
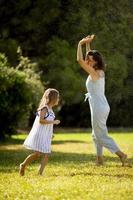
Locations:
(41, 121)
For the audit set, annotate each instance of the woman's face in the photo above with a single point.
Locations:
(91, 61)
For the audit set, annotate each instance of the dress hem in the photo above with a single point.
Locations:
(35, 149)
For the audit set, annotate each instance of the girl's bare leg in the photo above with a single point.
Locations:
(27, 161)
(122, 157)
(44, 161)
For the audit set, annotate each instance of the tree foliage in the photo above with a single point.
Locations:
(48, 33)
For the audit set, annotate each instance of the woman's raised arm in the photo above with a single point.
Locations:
(88, 48)
(80, 58)
(79, 52)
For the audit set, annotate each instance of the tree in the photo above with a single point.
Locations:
(48, 34)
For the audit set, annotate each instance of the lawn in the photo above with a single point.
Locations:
(71, 173)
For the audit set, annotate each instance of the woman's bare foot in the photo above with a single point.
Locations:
(123, 159)
(99, 161)
(40, 174)
(99, 164)
(21, 169)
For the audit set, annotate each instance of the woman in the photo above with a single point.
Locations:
(94, 66)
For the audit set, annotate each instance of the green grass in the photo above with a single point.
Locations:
(71, 173)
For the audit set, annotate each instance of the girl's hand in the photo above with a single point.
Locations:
(87, 39)
(56, 122)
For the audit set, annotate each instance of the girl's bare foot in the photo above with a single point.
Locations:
(21, 169)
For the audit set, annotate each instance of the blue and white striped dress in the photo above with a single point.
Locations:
(40, 136)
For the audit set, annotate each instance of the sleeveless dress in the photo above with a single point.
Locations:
(40, 136)
(99, 109)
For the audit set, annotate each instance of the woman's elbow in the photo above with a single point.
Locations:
(79, 61)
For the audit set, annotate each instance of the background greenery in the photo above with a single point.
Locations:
(48, 33)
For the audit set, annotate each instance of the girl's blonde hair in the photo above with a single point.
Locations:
(50, 95)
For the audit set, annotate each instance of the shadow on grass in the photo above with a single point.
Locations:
(67, 141)
(12, 141)
(20, 141)
(10, 160)
(129, 176)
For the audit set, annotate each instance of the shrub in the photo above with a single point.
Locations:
(20, 90)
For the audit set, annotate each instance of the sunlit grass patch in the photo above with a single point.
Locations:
(71, 173)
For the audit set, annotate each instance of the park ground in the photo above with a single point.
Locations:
(71, 173)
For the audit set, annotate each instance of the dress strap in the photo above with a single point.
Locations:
(47, 114)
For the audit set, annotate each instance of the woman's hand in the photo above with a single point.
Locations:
(87, 39)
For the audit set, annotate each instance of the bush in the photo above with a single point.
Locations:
(20, 89)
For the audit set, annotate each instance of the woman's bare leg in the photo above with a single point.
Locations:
(44, 162)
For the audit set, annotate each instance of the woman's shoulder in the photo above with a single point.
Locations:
(101, 73)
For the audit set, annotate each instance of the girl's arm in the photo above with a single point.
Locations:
(45, 121)
(81, 61)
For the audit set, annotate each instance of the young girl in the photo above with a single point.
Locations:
(40, 136)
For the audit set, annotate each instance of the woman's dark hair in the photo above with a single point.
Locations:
(98, 58)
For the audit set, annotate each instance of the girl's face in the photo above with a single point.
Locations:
(91, 61)
(55, 103)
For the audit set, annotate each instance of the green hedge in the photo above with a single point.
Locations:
(20, 90)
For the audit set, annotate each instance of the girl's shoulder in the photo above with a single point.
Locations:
(44, 108)
(47, 108)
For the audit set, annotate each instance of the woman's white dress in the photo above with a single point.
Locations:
(99, 108)
(40, 136)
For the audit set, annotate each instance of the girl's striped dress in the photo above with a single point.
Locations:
(40, 136)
